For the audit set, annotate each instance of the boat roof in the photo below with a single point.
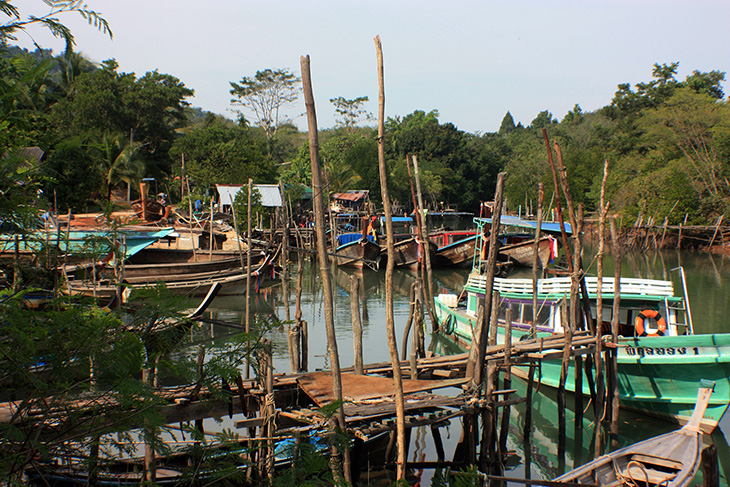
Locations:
(560, 286)
(516, 221)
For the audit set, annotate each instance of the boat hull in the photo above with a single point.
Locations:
(459, 253)
(407, 252)
(358, 254)
(523, 253)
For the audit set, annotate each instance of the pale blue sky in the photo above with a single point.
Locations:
(470, 60)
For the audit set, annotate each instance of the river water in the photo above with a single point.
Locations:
(707, 278)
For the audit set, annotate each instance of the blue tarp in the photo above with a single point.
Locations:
(347, 238)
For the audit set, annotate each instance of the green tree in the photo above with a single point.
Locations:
(265, 94)
(220, 153)
(508, 124)
(689, 126)
(350, 112)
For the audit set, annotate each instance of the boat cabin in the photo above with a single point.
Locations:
(647, 307)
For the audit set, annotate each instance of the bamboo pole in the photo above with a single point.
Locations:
(426, 247)
(478, 352)
(356, 324)
(323, 260)
(536, 264)
(389, 319)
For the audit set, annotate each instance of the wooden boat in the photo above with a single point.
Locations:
(232, 282)
(523, 253)
(355, 250)
(660, 359)
(408, 252)
(669, 460)
(160, 262)
(455, 248)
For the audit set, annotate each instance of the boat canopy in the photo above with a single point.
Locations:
(515, 221)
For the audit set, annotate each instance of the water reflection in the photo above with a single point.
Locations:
(706, 276)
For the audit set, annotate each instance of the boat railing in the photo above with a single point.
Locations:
(561, 285)
(688, 310)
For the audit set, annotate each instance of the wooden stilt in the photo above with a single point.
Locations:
(710, 467)
(324, 262)
(390, 244)
(356, 324)
(507, 380)
(478, 351)
(567, 330)
(409, 322)
(614, 398)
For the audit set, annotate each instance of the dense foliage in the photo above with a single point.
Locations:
(667, 141)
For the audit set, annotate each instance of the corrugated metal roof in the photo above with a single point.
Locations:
(270, 194)
(351, 195)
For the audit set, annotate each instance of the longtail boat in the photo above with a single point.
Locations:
(669, 460)
(356, 250)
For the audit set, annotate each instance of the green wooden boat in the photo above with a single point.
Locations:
(658, 373)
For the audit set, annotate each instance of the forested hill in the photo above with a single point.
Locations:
(666, 140)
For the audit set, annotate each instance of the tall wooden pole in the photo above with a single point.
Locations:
(600, 394)
(248, 267)
(614, 332)
(536, 264)
(324, 269)
(475, 364)
(389, 319)
(426, 245)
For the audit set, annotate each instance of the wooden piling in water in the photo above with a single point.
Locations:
(390, 244)
(507, 379)
(478, 352)
(710, 467)
(322, 257)
(536, 264)
(613, 377)
(567, 348)
(356, 324)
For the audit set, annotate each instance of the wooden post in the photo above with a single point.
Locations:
(248, 269)
(507, 380)
(710, 467)
(322, 257)
(567, 348)
(536, 264)
(426, 244)
(296, 330)
(389, 319)
(293, 348)
(211, 239)
(477, 352)
(615, 332)
(190, 221)
(717, 228)
(356, 324)
(409, 322)
(600, 393)
(679, 237)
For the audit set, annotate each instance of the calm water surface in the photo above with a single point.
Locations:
(707, 279)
